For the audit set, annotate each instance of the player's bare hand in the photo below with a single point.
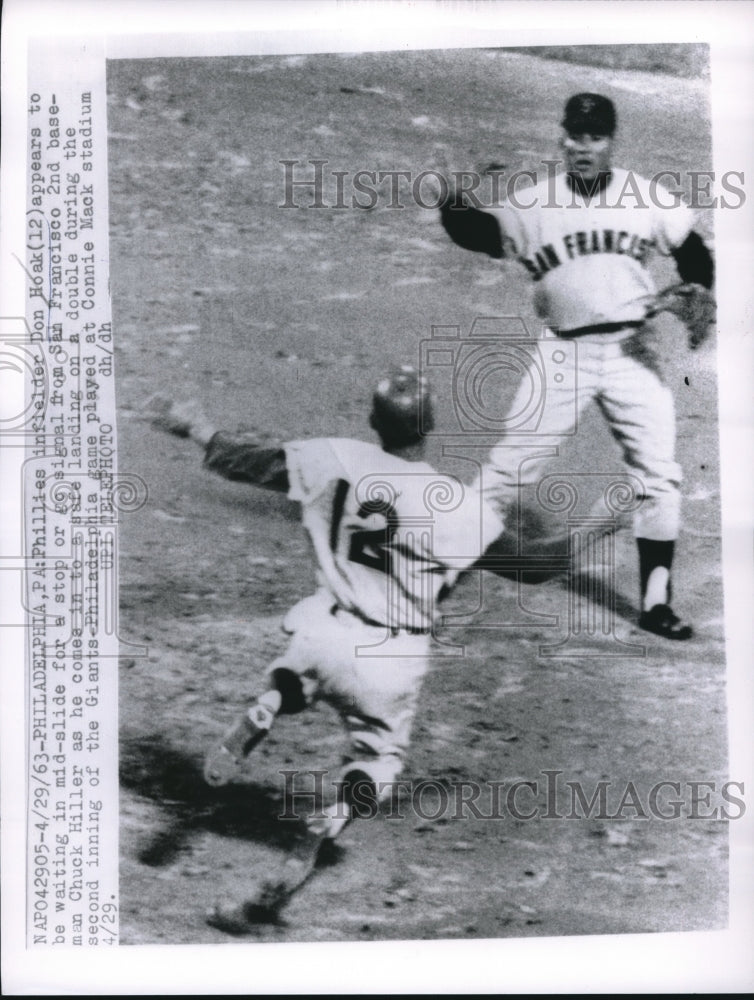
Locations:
(182, 419)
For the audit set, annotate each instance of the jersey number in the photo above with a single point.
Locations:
(368, 547)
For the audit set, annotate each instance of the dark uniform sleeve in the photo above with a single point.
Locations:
(694, 261)
(471, 228)
(242, 458)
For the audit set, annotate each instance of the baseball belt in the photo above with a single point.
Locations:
(580, 331)
(395, 630)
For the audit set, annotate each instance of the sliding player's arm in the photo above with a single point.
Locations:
(241, 457)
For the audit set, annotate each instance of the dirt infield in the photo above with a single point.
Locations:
(279, 319)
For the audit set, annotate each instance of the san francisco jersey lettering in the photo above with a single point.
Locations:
(588, 257)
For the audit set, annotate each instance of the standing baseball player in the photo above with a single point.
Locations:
(585, 236)
(389, 535)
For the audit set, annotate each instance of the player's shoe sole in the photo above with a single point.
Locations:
(242, 918)
(222, 761)
(265, 907)
(661, 621)
(315, 850)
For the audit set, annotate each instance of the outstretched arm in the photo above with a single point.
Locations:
(241, 457)
(245, 460)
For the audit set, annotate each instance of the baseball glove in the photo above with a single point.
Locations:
(695, 307)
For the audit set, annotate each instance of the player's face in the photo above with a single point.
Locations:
(586, 154)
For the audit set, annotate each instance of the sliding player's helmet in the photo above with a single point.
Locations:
(402, 407)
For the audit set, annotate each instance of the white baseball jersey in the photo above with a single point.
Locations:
(387, 534)
(588, 257)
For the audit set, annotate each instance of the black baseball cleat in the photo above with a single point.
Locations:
(661, 620)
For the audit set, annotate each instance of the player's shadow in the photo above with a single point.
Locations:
(535, 557)
(601, 593)
(152, 767)
(531, 550)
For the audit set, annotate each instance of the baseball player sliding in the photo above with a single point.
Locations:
(585, 236)
(390, 535)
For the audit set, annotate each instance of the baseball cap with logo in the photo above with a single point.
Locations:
(591, 113)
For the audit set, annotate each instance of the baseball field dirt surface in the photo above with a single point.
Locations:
(280, 319)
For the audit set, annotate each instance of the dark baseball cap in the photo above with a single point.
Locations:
(590, 113)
